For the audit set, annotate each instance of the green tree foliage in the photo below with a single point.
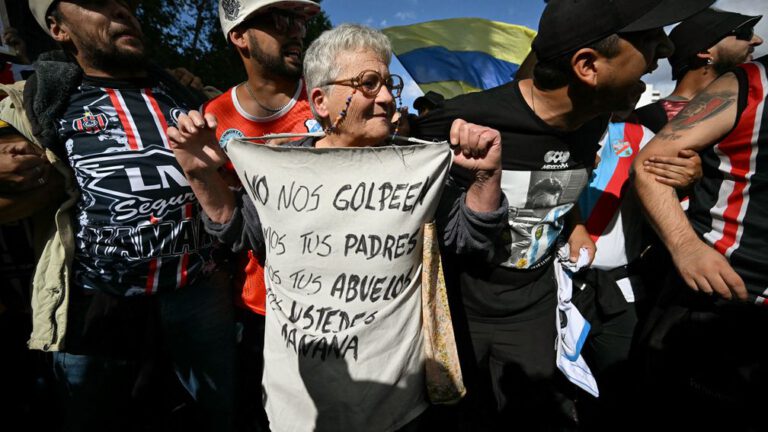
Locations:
(187, 33)
(316, 26)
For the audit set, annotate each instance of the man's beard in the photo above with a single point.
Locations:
(114, 60)
(273, 64)
(727, 61)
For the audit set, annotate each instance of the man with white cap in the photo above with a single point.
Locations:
(126, 295)
(268, 36)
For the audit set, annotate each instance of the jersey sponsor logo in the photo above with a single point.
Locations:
(138, 185)
(231, 9)
(91, 123)
(556, 157)
(556, 160)
(622, 148)
(312, 125)
(148, 240)
(228, 135)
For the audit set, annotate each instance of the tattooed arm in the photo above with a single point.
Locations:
(706, 119)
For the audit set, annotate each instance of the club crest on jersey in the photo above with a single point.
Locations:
(228, 135)
(622, 148)
(90, 123)
(312, 125)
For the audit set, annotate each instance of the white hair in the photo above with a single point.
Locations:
(321, 59)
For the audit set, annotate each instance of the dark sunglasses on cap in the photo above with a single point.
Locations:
(745, 33)
(283, 21)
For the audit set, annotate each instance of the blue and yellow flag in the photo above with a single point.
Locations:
(457, 56)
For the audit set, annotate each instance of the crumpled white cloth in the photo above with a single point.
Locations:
(571, 325)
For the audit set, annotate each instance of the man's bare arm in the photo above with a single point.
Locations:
(706, 119)
(199, 155)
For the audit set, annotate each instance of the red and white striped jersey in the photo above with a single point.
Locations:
(729, 206)
(137, 223)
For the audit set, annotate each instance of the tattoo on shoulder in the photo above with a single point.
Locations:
(667, 135)
(703, 107)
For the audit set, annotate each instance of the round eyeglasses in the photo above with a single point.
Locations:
(369, 82)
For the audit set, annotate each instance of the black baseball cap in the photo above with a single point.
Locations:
(702, 31)
(430, 100)
(567, 25)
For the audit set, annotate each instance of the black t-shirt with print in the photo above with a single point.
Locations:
(544, 171)
(137, 222)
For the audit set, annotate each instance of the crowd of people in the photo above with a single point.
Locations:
(137, 289)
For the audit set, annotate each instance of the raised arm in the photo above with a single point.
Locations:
(230, 217)
(472, 215)
(199, 155)
(706, 119)
(478, 150)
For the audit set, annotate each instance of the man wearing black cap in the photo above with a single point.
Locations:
(424, 104)
(710, 334)
(591, 56)
(707, 45)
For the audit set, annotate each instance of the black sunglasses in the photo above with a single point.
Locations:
(283, 21)
(745, 33)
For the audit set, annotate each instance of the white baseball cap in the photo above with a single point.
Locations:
(234, 12)
(39, 9)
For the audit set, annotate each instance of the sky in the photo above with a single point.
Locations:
(382, 14)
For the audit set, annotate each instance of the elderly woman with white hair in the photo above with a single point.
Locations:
(352, 94)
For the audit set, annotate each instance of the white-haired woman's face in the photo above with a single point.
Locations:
(368, 119)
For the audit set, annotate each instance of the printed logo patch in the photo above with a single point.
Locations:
(556, 160)
(622, 148)
(231, 9)
(312, 125)
(90, 123)
(228, 135)
(556, 157)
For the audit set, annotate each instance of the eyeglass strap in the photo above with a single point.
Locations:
(335, 127)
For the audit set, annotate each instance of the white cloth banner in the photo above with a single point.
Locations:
(342, 227)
